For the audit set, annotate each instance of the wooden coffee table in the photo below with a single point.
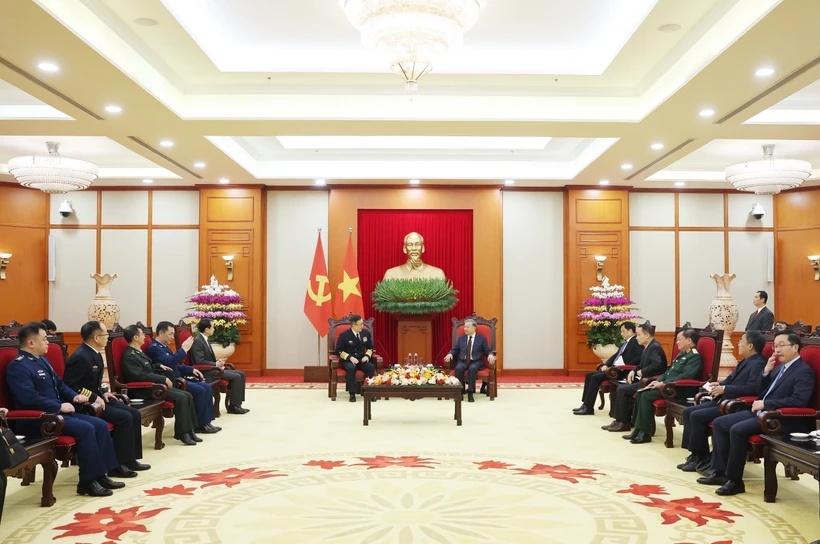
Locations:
(411, 392)
(796, 455)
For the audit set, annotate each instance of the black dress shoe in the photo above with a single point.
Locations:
(93, 489)
(122, 472)
(680, 466)
(213, 427)
(185, 439)
(731, 487)
(352, 399)
(194, 437)
(470, 397)
(692, 465)
(583, 406)
(583, 411)
(237, 410)
(641, 438)
(206, 430)
(137, 466)
(108, 483)
(714, 479)
(631, 435)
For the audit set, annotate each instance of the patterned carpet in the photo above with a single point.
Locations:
(300, 469)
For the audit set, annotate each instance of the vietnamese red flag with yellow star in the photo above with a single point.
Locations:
(349, 295)
(318, 307)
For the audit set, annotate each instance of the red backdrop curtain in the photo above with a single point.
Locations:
(448, 244)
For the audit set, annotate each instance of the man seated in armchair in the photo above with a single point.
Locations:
(687, 366)
(203, 354)
(790, 385)
(469, 351)
(653, 363)
(628, 354)
(355, 348)
(743, 381)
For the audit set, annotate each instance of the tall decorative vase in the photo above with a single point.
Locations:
(604, 351)
(222, 352)
(723, 317)
(104, 308)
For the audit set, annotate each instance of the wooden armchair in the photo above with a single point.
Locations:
(671, 406)
(487, 328)
(334, 369)
(613, 375)
(214, 375)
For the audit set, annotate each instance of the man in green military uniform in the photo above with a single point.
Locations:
(686, 366)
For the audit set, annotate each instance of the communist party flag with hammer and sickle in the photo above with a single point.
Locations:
(349, 295)
(317, 299)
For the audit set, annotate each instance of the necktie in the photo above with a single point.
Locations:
(621, 350)
(357, 338)
(469, 349)
(757, 313)
(775, 382)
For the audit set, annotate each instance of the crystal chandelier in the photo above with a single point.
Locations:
(414, 33)
(768, 176)
(52, 173)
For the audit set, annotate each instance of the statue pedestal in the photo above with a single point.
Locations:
(415, 335)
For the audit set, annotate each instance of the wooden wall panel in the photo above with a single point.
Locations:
(233, 224)
(597, 224)
(24, 234)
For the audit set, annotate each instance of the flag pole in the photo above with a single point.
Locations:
(318, 336)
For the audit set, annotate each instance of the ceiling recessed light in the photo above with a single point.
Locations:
(224, 181)
(166, 143)
(671, 27)
(148, 181)
(414, 182)
(199, 165)
(509, 182)
(656, 146)
(706, 112)
(320, 182)
(145, 21)
(604, 182)
(680, 183)
(626, 166)
(113, 108)
(48, 67)
(765, 71)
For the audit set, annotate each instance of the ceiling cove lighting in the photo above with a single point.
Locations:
(48, 67)
(224, 181)
(320, 182)
(415, 182)
(604, 182)
(680, 183)
(768, 176)
(509, 182)
(148, 181)
(504, 143)
(53, 173)
(413, 34)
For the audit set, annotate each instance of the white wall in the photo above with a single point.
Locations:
(125, 253)
(174, 272)
(84, 204)
(652, 276)
(651, 210)
(748, 257)
(700, 210)
(124, 207)
(533, 240)
(70, 295)
(701, 254)
(175, 208)
(293, 217)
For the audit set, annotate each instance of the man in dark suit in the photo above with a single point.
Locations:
(790, 385)
(743, 381)
(202, 354)
(469, 351)
(762, 319)
(628, 354)
(51, 328)
(84, 372)
(34, 385)
(137, 367)
(355, 348)
(653, 363)
(166, 360)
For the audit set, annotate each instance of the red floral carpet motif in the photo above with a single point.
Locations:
(644, 490)
(232, 476)
(326, 465)
(693, 509)
(384, 461)
(105, 520)
(178, 489)
(560, 472)
(487, 465)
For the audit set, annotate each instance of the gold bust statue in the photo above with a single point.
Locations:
(414, 268)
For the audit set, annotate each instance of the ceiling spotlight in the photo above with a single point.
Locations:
(414, 182)
(656, 146)
(509, 182)
(148, 181)
(199, 165)
(604, 182)
(706, 112)
(766, 71)
(48, 67)
(224, 181)
(145, 21)
(113, 108)
(680, 183)
(320, 182)
(626, 166)
(672, 27)
(166, 143)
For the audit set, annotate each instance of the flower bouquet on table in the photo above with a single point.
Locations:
(223, 306)
(413, 375)
(605, 312)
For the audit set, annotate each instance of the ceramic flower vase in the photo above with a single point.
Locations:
(604, 351)
(723, 317)
(223, 352)
(104, 308)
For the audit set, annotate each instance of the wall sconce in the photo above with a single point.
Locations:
(229, 265)
(815, 263)
(4, 262)
(600, 266)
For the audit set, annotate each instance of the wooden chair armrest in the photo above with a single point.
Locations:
(179, 383)
(769, 421)
(669, 391)
(159, 391)
(334, 361)
(230, 366)
(123, 398)
(211, 373)
(51, 425)
(730, 406)
(93, 409)
(612, 372)
(699, 396)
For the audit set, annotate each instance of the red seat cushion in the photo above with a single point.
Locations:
(65, 441)
(755, 439)
(223, 382)
(659, 403)
(24, 413)
(798, 412)
(167, 404)
(139, 385)
(110, 426)
(688, 383)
